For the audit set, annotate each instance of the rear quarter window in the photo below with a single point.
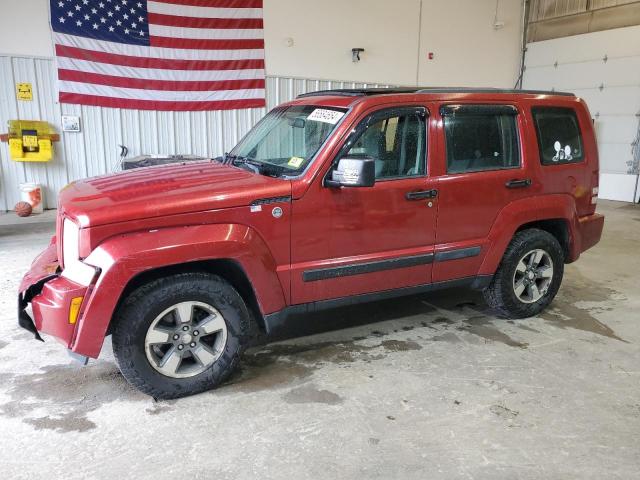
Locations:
(558, 132)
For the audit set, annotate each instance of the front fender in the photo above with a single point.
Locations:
(527, 210)
(123, 257)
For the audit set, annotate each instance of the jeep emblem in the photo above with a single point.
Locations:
(276, 212)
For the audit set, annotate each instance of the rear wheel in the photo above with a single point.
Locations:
(529, 275)
(180, 335)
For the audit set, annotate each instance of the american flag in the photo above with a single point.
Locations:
(160, 54)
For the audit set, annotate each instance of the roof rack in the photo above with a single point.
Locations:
(360, 92)
(365, 92)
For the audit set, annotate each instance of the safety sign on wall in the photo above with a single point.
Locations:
(24, 91)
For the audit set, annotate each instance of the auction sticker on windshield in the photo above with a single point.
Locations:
(326, 116)
(295, 162)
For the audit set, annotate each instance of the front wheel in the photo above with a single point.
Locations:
(529, 275)
(180, 335)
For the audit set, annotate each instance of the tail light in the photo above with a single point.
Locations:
(595, 184)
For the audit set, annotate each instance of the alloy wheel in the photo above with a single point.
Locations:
(533, 276)
(185, 339)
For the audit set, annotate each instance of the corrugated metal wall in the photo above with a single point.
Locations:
(95, 150)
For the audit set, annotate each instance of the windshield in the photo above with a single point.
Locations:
(288, 137)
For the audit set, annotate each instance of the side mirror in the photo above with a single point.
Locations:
(353, 171)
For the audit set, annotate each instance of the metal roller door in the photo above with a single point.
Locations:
(604, 69)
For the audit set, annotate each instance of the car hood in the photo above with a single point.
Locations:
(165, 190)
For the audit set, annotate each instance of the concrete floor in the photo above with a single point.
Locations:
(423, 387)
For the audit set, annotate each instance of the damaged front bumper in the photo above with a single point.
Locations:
(51, 296)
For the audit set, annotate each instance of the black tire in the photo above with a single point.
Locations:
(501, 295)
(144, 304)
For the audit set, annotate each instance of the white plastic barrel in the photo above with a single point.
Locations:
(32, 194)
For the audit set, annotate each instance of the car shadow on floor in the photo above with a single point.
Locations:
(371, 313)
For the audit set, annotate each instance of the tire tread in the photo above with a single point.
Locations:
(144, 298)
(498, 294)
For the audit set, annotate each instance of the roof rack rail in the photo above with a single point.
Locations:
(365, 92)
(359, 92)
(492, 90)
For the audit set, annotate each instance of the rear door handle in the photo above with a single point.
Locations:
(518, 183)
(421, 194)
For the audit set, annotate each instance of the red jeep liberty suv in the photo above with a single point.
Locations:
(335, 198)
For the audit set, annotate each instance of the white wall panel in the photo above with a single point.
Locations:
(616, 186)
(25, 68)
(73, 145)
(611, 155)
(617, 43)
(56, 170)
(111, 136)
(166, 140)
(617, 129)
(96, 151)
(12, 172)
(604, 69)
(94, 144)
(181, 124)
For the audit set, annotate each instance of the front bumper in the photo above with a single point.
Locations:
(50, 296)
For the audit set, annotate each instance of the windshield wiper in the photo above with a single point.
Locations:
(262, 168)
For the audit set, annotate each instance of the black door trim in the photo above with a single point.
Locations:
(366, 267)
(390, 264)
(457, 254)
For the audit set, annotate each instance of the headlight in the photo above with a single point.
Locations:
(70, 242)
(74, 269)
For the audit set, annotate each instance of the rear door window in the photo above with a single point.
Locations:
(558, 134)
(480, 137)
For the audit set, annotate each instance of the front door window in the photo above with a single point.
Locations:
(396, 141)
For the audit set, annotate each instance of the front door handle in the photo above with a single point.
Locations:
(518, 183)
(422, 194)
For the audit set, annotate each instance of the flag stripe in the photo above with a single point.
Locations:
(155, 52)
(159, 74)
(208, 12)
(195, 22)
(160, 95)
(157, 63)
(190, 106)
(218, 3)
(146, 84)
(206, 33)
(190, 43)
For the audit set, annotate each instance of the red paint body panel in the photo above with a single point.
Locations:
(469, 203)
(51, 308)
(524, 211)
(164, 191)
(51, 305)
(122, 257)
(591, 228)
(149, 218)
(357, 225)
